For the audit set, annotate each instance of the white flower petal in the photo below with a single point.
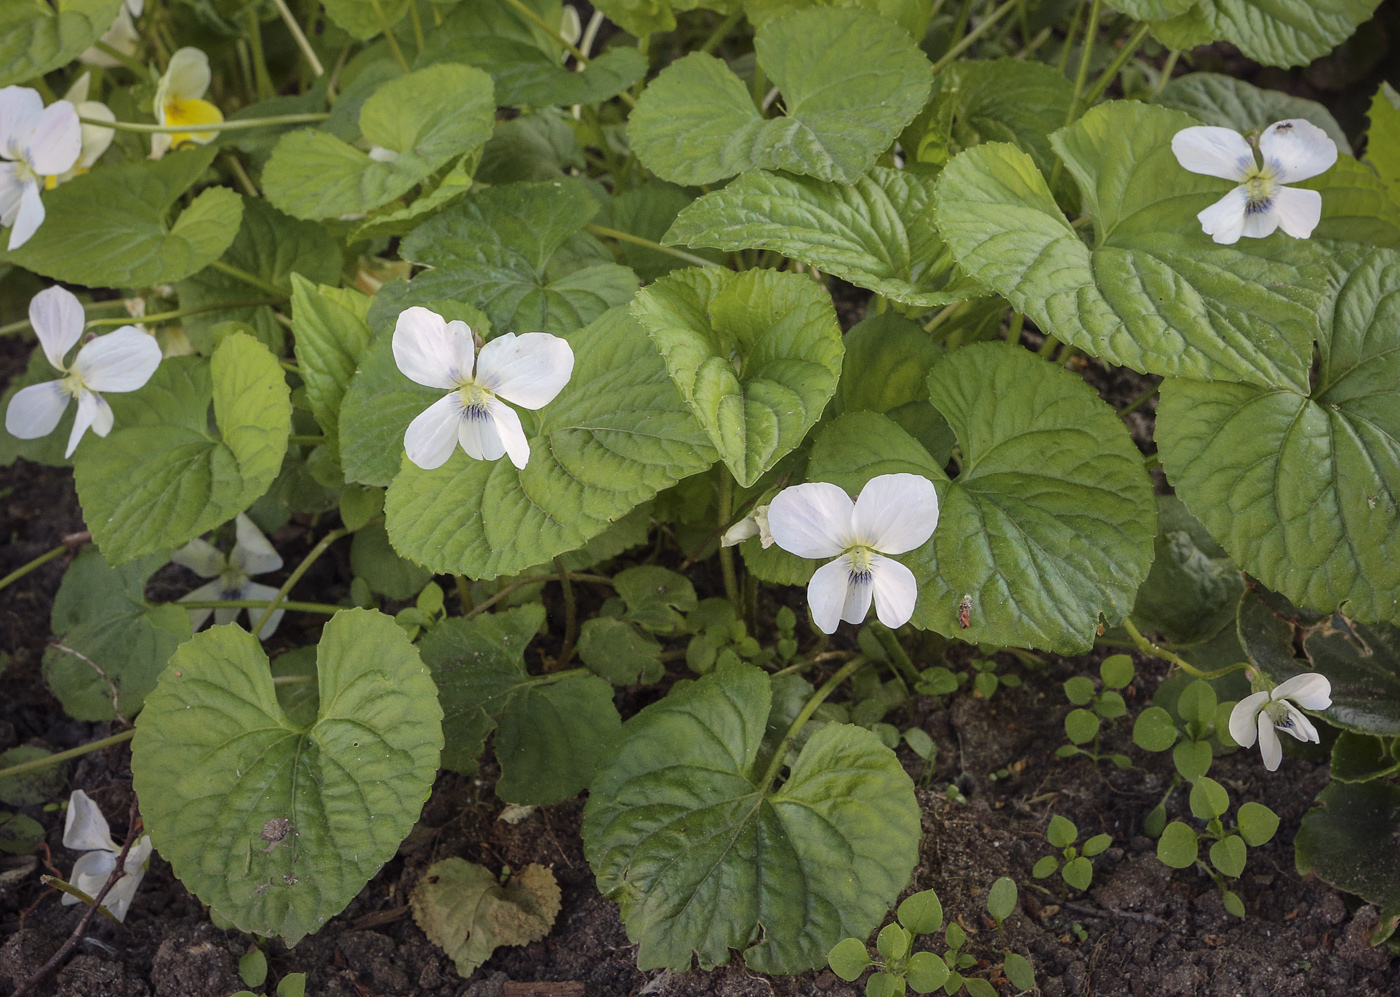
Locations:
(508, 428)
(479, 434)
(896, 591)
(1298, 725)
(120, 35)
(895, 513)
(529, 370)
(1269, 747)
(1298, 211)
(1243, 718)
(119, 897)
(92, 870)
(57, 317)
(78, 93)
(139, 855)
(82, 420)
(1223, 221)
(263, 593)
(103, 418)
(122, 360)
(432, 351)
(20, 108)
(201, 557)
(252, 552)
(1310, 690)
(186, 78)
(812, 520)
(11, 192)
(1213, 151)
(859, 590)
(84, 827)
(96, 139)
(1260, 224)
(739, 532)
(30, 215)
(207, 592)
(34, 411)
(826, 593)
(56, 141)
(432, 436)
(160, 144)
(1296, 150)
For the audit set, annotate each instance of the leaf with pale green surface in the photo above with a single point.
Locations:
(363, 19)
(617, 434)
(756, 355)
(700, 850)
(518, 253)
(1273, 32)
(1357, 205)
(911, 15)
(550, 733)
(270, 246)
(164, 476)
(1383, 137)
(35, 38)
(1303, 489)
(277, 825)
(1007, 100)
(1227, 102)
(110, 228)
(426, 118)
(331, 339)
(850, 80)
(1337, 841)
(877, 233)
(1048, 526)
(1154, 293)
(465, 911)
(102, 613)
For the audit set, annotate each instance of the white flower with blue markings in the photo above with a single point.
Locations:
(251, 555)
(85, 829)
(1262, 715)
(36, 142)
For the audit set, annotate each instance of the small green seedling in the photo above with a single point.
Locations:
(252, 967)
(429, 610)
(1202, 719)
(981, 672)
(1084, 723)
(1074, 866)
(1179, 846)
(292, 985)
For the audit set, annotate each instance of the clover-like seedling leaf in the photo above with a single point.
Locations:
(1116, 671)
(165, 474)
(617, 434)
(35, 787)
(1045, 867)
(1306, 469)
(421, 121)
(1079, 690)
(1208, 798)
(1178, 845)
(1041, 530)
(1019, 971)
(1061, 832)
(927, 972)
(921, 912)
(1001, 899)
(700, 848)
(550, 733)
(1192, 759)
(278, 824)
(696, 123)
(1081, 726)
(1197, 702)
(756, 355)
(885, 985)
(1153, 293)
(1078, 872)
(1228, 855)
(101, 613)
(110, 227)
(19, 834)
(1257, 823)
(848, 958)
(893, 942)
(1097, 845)
(877, 233)
(35, 40)
(465, 912)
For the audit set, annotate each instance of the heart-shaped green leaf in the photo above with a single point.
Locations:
(277, 825)
(1154, 293)
(1302, 486)
(1338, 841)
(615, 436)
(706, 855)
(877, 233)
(697, 124)
(331, 339)
(756, 356)
(1227, 102)
(1049, 524)
(165, 476)
(1274, 32)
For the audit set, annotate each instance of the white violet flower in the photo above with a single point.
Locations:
(894, 514)
(96, 139)
(36, 142)
(755, 524)
(251, 555)
(85, 829)
(122, 360)
(121, 35)
(1292, 150)
(528, 370)
(180, 101)
(1263, 714)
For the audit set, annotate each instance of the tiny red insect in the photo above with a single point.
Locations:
(965, 612)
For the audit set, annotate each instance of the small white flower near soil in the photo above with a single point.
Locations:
(1261, 715)
(85, 829)
(251, 555)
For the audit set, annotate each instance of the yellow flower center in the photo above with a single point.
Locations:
(475, 398)
(191, 112)
(861, 558)
(73, 384)
(1260, 187)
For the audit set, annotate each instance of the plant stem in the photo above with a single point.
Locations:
(299, 37)
(38, 562)
(1139, 401)
(540, 22)
(464, 593)
(121, 57)
(251, 279)
(722, 29)
(894, 649)
(1167, 69)
(1091, 31)
(306, 441)
(570, 616)
(520, 583)
(100, 323)
(1147, 647)
(947, 312)
(637, 240)
(1115, 67)
(1013, 329)
(417, 23)
(726, 554)
(987, 24)
(240, 124)
(294, 607)
(261, 80)
(240, 174)
(63, 756)
(296, 574)
(818, 697)
(1063, 61)
(388, 30)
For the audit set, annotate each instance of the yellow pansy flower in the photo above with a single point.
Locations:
(179, 101)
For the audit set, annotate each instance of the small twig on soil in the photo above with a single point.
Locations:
(379, 917)
(133, 830)
(1107, 912)
(111, 686)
